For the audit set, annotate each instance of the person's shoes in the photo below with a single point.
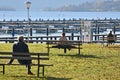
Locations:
(69, 49)
(30, 73)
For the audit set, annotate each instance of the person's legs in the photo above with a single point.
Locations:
(28, 65)
(29, 71)
(64, 50)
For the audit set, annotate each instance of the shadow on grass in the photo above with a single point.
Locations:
(53, 78)
(79, 56)
(42, 78)
(16, 76)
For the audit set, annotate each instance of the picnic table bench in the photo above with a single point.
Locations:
(37, 59)
(74, 45)
(103, 38)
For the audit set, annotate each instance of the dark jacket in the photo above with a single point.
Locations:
(22, 48)
(110, 35)
(110, 38)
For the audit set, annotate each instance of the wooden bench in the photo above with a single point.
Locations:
(75, 45)
(37, 59)
(111, 40)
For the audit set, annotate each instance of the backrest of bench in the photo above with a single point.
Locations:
(24, 56)
(21, 56)
(71, 42)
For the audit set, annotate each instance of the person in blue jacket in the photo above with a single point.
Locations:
(22, 47)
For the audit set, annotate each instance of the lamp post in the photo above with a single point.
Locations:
(28, 3)
(28, 7)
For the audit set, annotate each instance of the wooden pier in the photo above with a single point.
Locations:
(52, 26)
(101, 38)
(36, 39)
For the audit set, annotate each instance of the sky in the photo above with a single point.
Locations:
(38, 5)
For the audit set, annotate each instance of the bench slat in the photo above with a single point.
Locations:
(25, 58)
(39, 54)
(32, 65)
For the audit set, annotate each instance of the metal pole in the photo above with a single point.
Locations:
(28, 14)
(28, 22)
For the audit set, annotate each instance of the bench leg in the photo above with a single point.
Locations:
(43, 71)
(38, 71)
(65, 50)
(48, 48)
(79, 50)
(3, 69)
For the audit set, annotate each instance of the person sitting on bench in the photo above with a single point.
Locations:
(21, 47)
(64, 43)
(110, 38)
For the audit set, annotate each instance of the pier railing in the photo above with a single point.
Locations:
(96, 38)
(103, 38)
(36, 39)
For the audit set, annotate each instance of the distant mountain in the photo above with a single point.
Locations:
(7, 9)
(37, 5)
(98, 6)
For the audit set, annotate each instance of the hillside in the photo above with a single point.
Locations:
(7, 9)
(97, 6)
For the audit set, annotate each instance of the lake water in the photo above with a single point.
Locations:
(21, 15)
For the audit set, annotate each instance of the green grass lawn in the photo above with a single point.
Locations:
(94, 63)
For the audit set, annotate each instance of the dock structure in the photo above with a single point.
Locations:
(41, 39)
(59, 23)
(37, 39)
(54, 26)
